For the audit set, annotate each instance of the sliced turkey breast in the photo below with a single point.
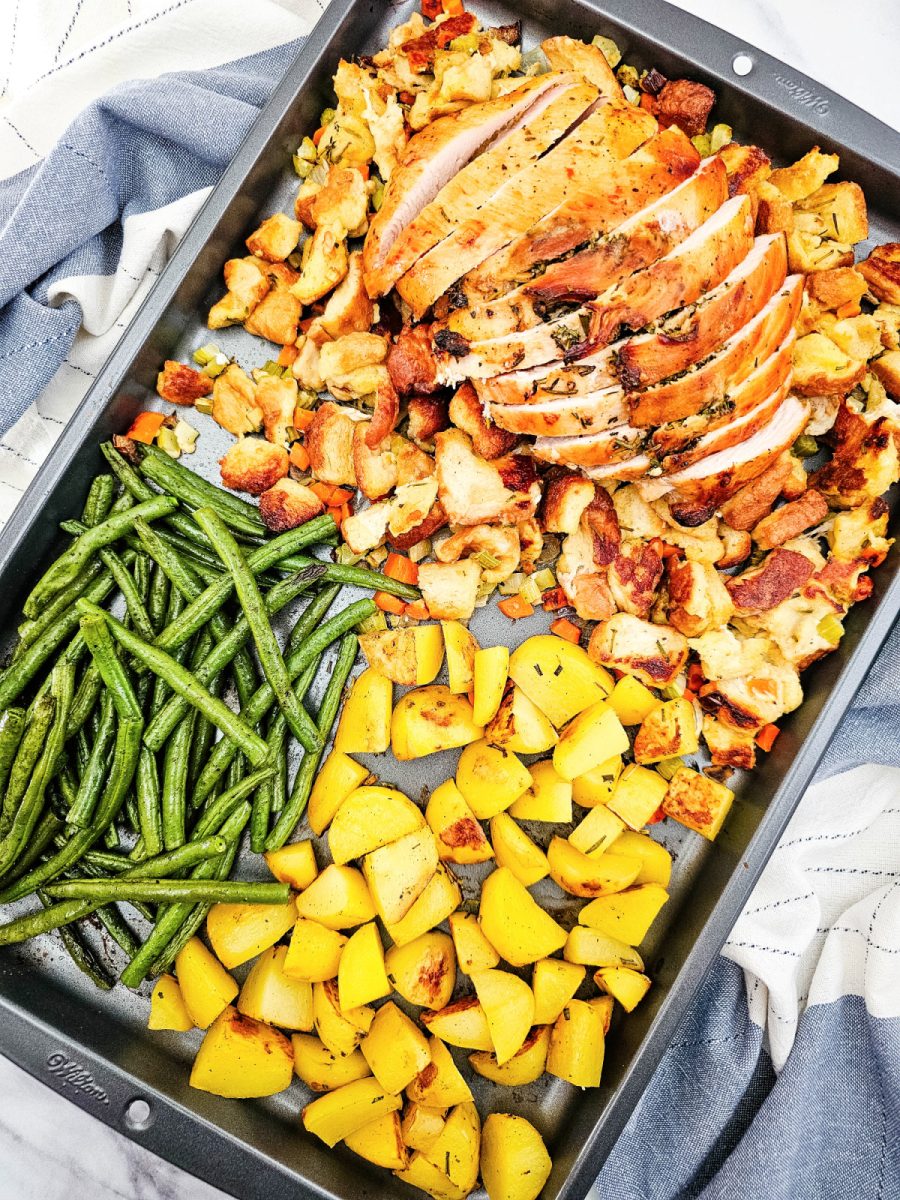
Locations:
(628, 469)
(564, 416)
(543, 123)
(551, 380)
(618, 444)
(582, 219)
(689, 335)
(707, 483)
(705, 386)
(771, 373)
(437, 154)
(697, 265)
(610, 133)
(730, 434)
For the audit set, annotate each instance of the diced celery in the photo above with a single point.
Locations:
(720, 136)
(307, 151)
(307, 398)
(632, 95)
(628, 76)
(509, 587)
(204, 405)
(215, 368)
(377, 556)
(373, 624)
(467, 41)
(545, 579)
(168, 442)
(671, 692)
(805, 446)
(702, 144)
(186, 436)
(669, 766)
(346, 557)
(301, 167)
(271, 367)
(611, 51)
(830, 629)
(328, 115)
(529, 590)
(485, 559)
(205, 354)
(420, 550)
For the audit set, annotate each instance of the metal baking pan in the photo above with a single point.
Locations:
(94, 1047)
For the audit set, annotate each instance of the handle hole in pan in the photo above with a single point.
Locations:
(138, 1115)
(742, 64)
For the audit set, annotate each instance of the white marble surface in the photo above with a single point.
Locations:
(49, 1150)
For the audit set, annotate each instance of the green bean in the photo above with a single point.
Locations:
(111, 835)
(303, 781)
(224, 752)
(184, 683)
(222, 808)
(311, 617)
(362, 577)
(99, 499)
(16, 678)
(73, 560)
(29, 810)
(12, 725)
(114, 924)
(85, 701)
(179, 481)
(143, 576)
(30, 747)
(187, 856)
(108, 864)
(158, 600)
(122, 504)
(198, 614)
(148, 802)
(95, 772)
(161, 690)
(45, 831)
(174, 783)
(165, 721)
(171, 918)
(264, 802)
(30, 631)
(124, 581)
(172, 891)
(96, 634)
(81, 955)
(254, 609)
(204, 737)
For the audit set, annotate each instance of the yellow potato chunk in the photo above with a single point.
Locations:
(314, 952)
(508, 1004)
(337, 899)
(341, 1030)
(369, 818)
(462, 1023)
(667, 732)
(440, 897)
(515, 1164)
(490, 778)
(514, 923)
(461, 647)
(242, 1058)
(347, 1109)
(431, 719)
(525, 1066)
(656, 861)
(395, 1048)
(623, 984)
(269, 994)
(554, 983)
(515, 850)
(398, 873)
(421, 1125)
(456, 1149)
(361, 973)
(206, 987)
(460, 838)
(380, 1142)
(595, 786)
(577, 1045)
(583, 875)
(698, 802)
(424, 970)
(627, 915)
(597, 832)
(167, 1007)
(410, 656)
(520, 726)
(548, 799)
(321, 1069)
(596, 949)
(637, 795)
(558, 677)
(239, 932)
(490, 671)
(294, 864)
(632, 701)
(589, 739)
(365, 723)
(338, 777)
(422, 1174)
(439, 1085)
(473, 951)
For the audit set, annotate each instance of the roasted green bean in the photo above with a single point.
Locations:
(171, 891)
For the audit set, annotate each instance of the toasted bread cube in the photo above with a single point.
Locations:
(698, 802)
(276, 238)
(287, 504)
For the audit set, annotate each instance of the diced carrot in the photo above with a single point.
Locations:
(299, 457)
(304, 325)
(566, 629)
(694, 677)
(406, 97)
(658, 816)
(765, 739)
(322, 490)
(287, 355)
(340, 496)
(346, 511)
(515, 607)
(389, 604)
(648, 102)
(335, 513)
(317, 136)
(303, 418)
(850, 309)
(453, 8)
(553, 599)
(418, 610)
(145, 427)
(398, 566)
(364, 170)
(707, 689)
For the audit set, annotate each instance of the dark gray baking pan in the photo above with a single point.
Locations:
(93, 1047)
